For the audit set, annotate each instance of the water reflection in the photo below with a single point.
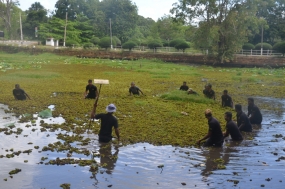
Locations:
(107, 159)
(249, 162)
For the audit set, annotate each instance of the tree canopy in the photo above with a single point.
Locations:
(221, 27)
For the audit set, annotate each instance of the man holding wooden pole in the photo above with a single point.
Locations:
(108, 121)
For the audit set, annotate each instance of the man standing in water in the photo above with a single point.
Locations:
(242, 120)
(91, 89)
(19, 93)
(227, 100)
(108, 121)
(232, 128)
(215, 135)
(255, 117)
(134, 89)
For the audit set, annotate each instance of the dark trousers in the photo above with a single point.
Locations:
(105, 139)
(210, 142)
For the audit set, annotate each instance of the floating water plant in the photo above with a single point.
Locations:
(15, 171)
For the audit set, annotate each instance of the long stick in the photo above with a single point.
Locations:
(95, 105)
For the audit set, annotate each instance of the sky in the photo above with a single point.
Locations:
(147, 8)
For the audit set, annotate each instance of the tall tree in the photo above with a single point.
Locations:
(36, 14)
(55, 28)
(71, 7)
(6, 9)
(273, 12)
(123, 15)
(223, 25)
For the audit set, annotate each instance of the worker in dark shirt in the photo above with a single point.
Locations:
(91, 90)
(242, 119)
(108, 121)
(227, 100)
(184, 87)
(215, 135)
(232, 128)
(19, 94)
(134, 89)
(254, 114)
(209, 92)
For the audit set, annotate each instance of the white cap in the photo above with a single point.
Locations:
(111, 108)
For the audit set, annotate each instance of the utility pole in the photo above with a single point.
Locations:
(111, 33)
(21, 29)
(261, 40)
(65, 29)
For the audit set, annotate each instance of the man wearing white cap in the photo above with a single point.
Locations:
(108, 121)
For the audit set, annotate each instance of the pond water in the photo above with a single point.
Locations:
(250, 164)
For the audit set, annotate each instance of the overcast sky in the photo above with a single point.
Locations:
(147, 8)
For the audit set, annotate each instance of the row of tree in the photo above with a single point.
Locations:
(222, 27)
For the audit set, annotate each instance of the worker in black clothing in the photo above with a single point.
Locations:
(232, 128)
(209, 92)
(19, 94)
(134, 89)
(227, 100)
(91, 91)
(215, 135)
(242, 120)
(108, 121)
(184, 87)
(254, 114)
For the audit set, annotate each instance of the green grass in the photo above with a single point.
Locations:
(178, 95)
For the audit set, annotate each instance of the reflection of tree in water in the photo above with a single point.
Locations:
(216, 157)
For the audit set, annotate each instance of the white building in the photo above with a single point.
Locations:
(51, 42)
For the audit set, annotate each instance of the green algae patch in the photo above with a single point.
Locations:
(164, 116)
(65, 186)
(15, 171)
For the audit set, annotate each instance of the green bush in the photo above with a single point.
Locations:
(88, 45)
(184, 45)
(71, 43)
(116, 41)
(248, 46)
(265, 46)
(280, 47)
(95, 40)
(105, 42)
(154, 44)
(175, 42)
(129, 45)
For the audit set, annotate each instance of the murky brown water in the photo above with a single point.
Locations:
(250, 164)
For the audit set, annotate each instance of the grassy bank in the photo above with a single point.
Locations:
(157, 117)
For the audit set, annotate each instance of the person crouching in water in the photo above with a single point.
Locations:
(215, 135)
(134, 89)
(227, 100)
(108, 121)
(184, 86)
(232, 128)
(91, 91)
(242, 120)
(254, 114)
(19, 94)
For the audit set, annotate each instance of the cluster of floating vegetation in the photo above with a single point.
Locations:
(164, 116)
